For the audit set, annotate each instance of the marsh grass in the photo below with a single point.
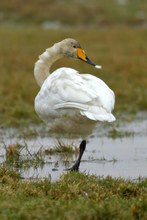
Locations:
(20, 158)
(62, 147)
(74, 196)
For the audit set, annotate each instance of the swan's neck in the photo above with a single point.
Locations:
(42, 66)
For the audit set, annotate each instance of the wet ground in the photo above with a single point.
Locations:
(118, 151)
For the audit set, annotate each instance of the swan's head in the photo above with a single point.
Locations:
(72, 48)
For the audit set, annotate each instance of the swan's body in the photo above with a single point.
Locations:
(68, 102)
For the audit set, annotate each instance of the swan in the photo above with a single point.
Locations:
(71, 103)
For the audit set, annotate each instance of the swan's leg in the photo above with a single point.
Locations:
(82, 147)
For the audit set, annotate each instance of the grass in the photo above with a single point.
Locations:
(74, 196)
(62, 148)
(20, 158)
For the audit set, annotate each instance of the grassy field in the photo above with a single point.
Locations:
(74, 196)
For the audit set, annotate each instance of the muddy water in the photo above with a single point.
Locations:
(118, 151)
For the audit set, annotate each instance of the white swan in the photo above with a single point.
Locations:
(68, 102)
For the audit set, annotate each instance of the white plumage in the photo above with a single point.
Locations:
(68, 102)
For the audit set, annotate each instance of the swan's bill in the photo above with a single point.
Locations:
(82, 56)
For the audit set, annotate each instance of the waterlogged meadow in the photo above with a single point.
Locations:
(34, 179)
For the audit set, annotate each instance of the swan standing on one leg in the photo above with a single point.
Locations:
(70, 103)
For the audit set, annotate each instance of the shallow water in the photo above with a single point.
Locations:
(121, 155)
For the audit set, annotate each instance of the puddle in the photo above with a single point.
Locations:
(118, 151)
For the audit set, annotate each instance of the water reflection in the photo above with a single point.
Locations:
(118, 156)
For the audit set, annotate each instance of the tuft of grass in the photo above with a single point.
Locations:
(12, 153)
(18, 160)
(61, 147)
(8, 172)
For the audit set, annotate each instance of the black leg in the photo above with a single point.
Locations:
(82, 147)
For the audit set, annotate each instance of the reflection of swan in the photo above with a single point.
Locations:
(68, 102)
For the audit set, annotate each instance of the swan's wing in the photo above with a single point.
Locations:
(66, 88)
(70, 86)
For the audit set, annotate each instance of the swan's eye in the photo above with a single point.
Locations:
(74, 46)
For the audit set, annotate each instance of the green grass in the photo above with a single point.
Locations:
(74, 196)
